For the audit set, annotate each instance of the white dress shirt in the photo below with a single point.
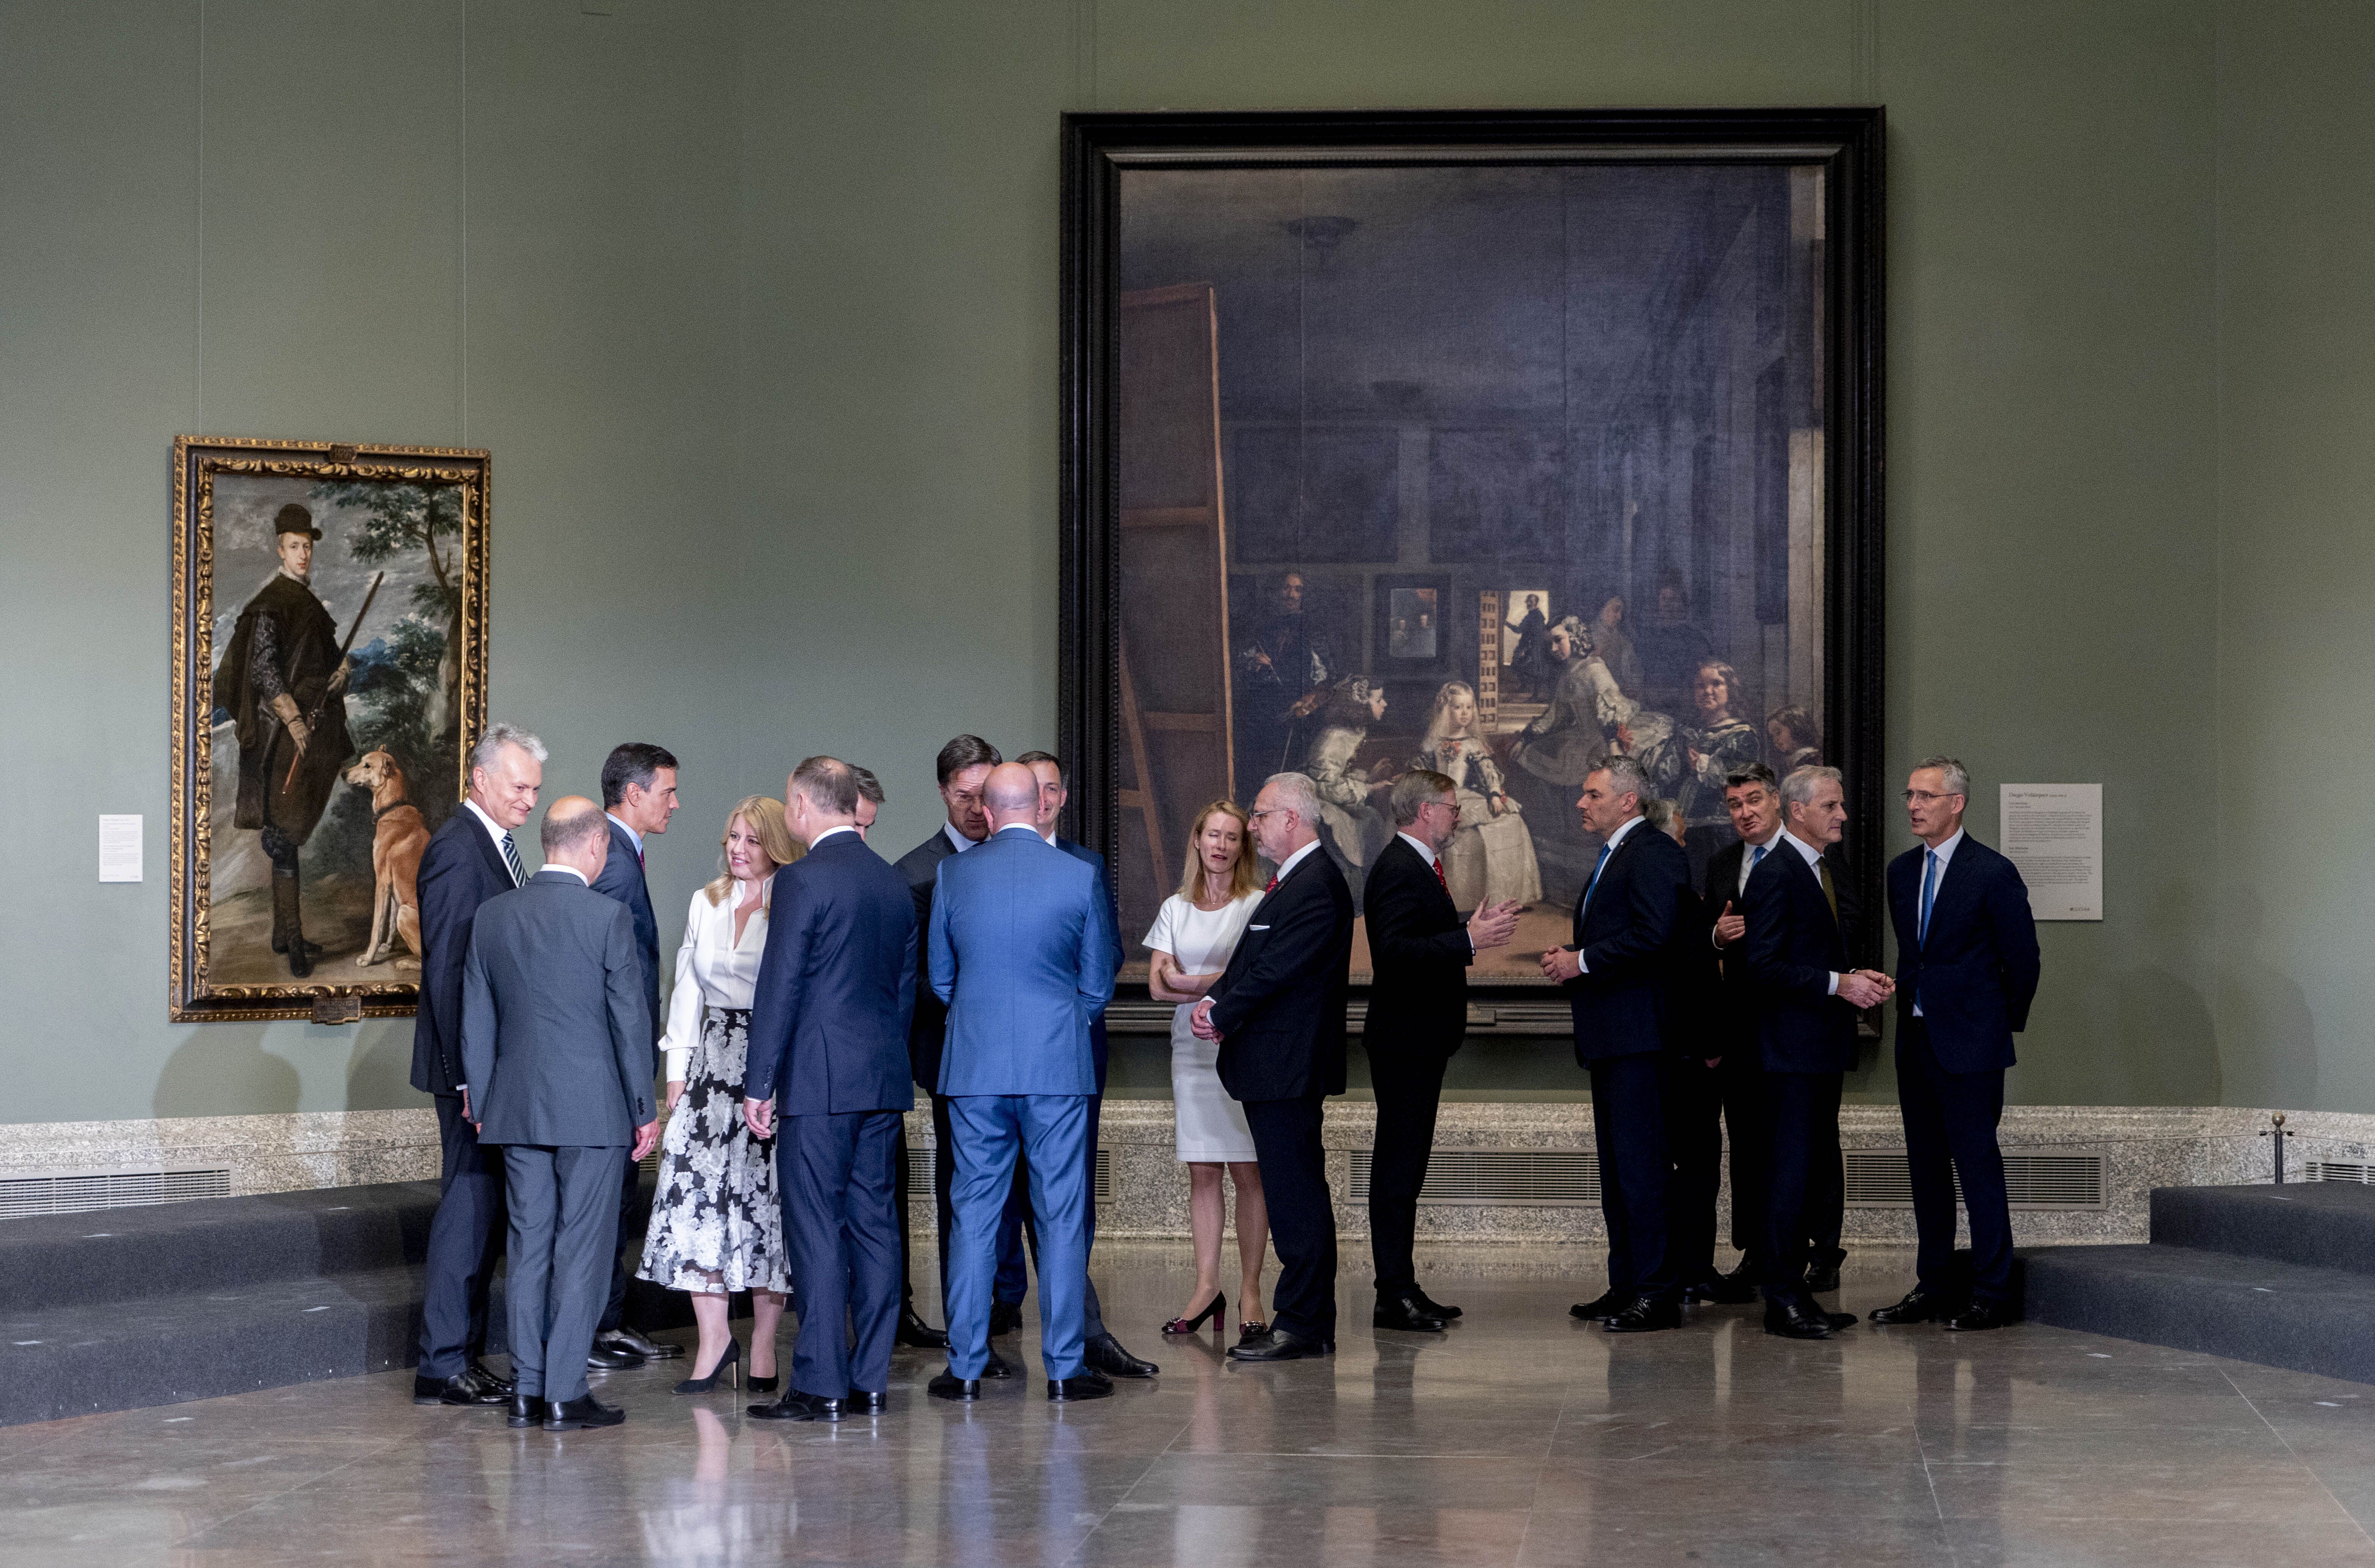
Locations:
(1749, 860)
(1293, 860)
(830, 832)
(556, 865)
(1944, 852)
(634, 837)
(494, 830)
(957, 839)
(1427, 852)
(712, 968)
(1815, 863)
(1613, 839)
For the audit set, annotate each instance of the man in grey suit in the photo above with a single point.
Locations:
(556, 1044)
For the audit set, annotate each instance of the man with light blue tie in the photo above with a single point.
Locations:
(1966, 969)
(1020, 950)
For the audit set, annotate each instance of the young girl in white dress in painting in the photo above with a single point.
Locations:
(1490, 858)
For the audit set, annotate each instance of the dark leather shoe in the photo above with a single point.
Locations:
(1918, 1306)
(1601, 1307)
(1065, 1390)
(1431, 1307)
(996, 1366)
(1824, 1274)
(1404, 1313)
(861, 1403)
(642, 1344)
(1985, 1314)
(1837, 1320)
(796, 1406)
(610, 1357)
(949, 1385)
(527, 1410)
(1795, 1318)
(575, 1415)
(1280, 1345)
(459, 1389)
(489, 1378)
(1005, 1317)
(918, 1334)
(1105, 1354)
(1646, 1316)
(1723, 1289)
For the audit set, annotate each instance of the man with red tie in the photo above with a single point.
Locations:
(1419, 954)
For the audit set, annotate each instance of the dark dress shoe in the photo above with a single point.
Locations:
(1918, 1306)
(489, 1378)
(949, 1385)
(576, 1415)
(1404, 1313)
(527, 1410)
(796, 1406)
(1005, 1317)
(996, 1366)
(1723, 1289)
(1065, 1390)
(1601, 1309)
(1431, 1307)
(1985, 1314)
(1646, 1316)
(1837, 1319)
(1823, 1273)
(861, 1403)
(610, 1357)
(651, 1349)
(459, 1389)
(1280, 1345)
(1795, 1318)
(1105, 1354)
(918, 1334)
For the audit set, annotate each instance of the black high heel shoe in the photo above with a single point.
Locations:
(762, 1385)
(731, 1362)
(1212, 1313)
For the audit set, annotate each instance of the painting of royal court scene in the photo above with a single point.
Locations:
(1510, 470)
(331, 630)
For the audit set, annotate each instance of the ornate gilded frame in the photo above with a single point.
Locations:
(197, 462)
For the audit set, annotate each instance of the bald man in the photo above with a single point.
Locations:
(1021, 952)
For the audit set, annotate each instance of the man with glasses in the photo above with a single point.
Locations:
(1966, 968)
(1419, 953)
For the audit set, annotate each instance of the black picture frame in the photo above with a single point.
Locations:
(1412, 650)
(1846, 143)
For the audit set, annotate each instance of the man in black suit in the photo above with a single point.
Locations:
(638, 798)
(1620, 974)
(1278, 1012)
(1420, 951)
(553, 1036)
(469, 859)
(1801, 928)
(1966, 969)
(962, 768)
(829, 1021)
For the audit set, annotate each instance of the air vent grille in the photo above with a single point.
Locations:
(2338, 1170)
(77, 1192)
(2034, 1179)
(1525, 1178)
(919, 1174)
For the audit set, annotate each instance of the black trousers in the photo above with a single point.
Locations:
(1628, 1122)
(944, 1169)
(1408, 1084)
(1950, 1133)
(1747, 1130)
(1806, 1171)
(465, 1243)
(1302, 1213)
(1695, 1140)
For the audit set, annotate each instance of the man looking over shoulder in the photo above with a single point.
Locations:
(1419, 951)
(1278, 1012)
(1966, 969)
(470, 858)
(1619, 975)
(1801, 928)
(638, 798)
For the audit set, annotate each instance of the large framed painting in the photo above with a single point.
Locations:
(1496, 444)
(329, 676)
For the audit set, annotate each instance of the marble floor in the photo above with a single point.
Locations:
(1520, 1437)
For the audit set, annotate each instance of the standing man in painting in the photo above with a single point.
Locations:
(469, 859)
(285, 686)
(1278, 1012)
(638, 797)
(1800, 926)
(1966, 969)
(1530, 661)
(1620, 972)
(1282, 677)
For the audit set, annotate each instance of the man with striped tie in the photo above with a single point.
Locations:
(1966, 968)
(469, 860)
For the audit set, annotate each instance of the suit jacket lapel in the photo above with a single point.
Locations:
(1949, 893)
(486, 850)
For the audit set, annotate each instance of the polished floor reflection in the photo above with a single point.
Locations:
(1520, 1437)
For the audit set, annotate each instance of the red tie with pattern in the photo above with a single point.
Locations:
(1270, 886)
(1439, 875)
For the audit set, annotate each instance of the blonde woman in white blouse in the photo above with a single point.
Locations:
(717, 1226)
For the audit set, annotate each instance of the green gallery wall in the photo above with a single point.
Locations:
(756, 308)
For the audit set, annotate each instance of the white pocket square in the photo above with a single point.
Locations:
(1257, 928)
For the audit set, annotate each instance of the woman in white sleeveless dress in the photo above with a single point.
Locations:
(1194, 933)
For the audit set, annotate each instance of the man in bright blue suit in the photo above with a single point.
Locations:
(829, 1038)
(1021, 950)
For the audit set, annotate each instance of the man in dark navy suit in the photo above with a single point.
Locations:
(1620, 974)
(1800, 926)
(829, 1019)
(1278, 1012)
(469, 859)
(1966, 969)
(638, 796)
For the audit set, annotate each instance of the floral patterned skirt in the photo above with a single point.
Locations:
(716, 1222)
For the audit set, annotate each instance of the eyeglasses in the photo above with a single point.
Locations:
(1923, 797)
(1273, 811)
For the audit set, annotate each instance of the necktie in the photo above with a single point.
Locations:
(1270, 886)
(1439, 875)
(1830, 891)
(511, 859)
(1756, 855)
(1595, 868)
(1929, 895)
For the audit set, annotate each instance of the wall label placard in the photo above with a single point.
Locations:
(119, 848)
(2054, 834)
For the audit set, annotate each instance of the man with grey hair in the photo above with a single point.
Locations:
(1620, 974)
(470, 858)
(1966, 969)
